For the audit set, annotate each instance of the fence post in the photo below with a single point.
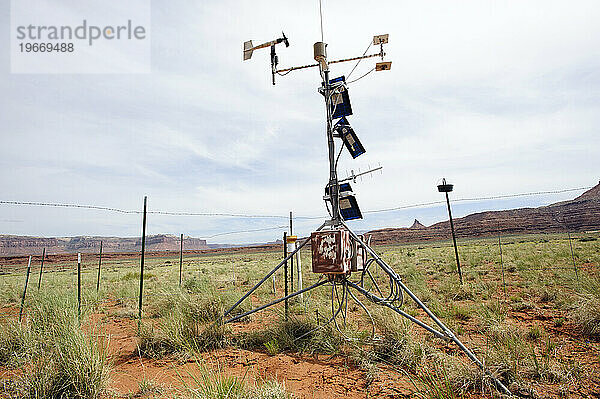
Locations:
(233, 270)
(573, 257)
(180, 258)
(299, 270)
(25, 289)
(446, 188)
(285, 274)
(41, 269)
(99, 267)
(292, 258)
(501, 263)
(79, 284)
(142, 262)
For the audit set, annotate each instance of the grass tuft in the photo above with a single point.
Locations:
(62, 361)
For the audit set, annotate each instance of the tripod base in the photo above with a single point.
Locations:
(393, 301)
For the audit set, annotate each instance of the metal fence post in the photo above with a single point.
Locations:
(446, 188)
(41, 269)
(501, 263)
(292, 259)
(25, 289)
(285, 275)
(573, 256)
(79, 284)
(142, 261)
(99, 267)
(180, 258)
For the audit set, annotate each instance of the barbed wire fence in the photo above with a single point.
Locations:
(464, 238)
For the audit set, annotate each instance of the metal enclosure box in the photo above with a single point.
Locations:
(359, 256)
(331, 251)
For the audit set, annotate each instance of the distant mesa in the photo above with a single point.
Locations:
(21, 245)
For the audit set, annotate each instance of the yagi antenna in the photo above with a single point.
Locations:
(353, 176)
(249, 48)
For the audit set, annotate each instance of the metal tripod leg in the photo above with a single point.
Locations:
(381, 301)
(275, 302)
(247, 294)
(445, 330)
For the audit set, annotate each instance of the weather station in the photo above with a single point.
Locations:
(342, 258)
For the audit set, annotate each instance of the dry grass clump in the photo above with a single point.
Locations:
(586, 316)
(298, 334)
(181, 333)
(514, 354)
(447, 377)
(396, 343)
(208, 384)
(188, 322)
(60, 361)
(586, 312)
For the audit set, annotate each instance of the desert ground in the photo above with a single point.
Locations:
(532, 318)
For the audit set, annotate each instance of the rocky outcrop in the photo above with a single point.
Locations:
(417, 225)
(22, 245)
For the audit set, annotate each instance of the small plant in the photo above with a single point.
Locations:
(460, 312)
(272, 347)
(434, 383)
(136, 276)
(147, 387)
(548, 296)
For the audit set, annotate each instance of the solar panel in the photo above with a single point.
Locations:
(349, 208)
(349, 138)
(340, 100)
(343, 188)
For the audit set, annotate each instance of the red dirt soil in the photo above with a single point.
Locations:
(319, 376)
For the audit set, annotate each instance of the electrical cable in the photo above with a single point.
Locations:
(366, 311)
(359, 78)
(358, 62)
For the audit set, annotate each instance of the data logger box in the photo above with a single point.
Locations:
(331, 251)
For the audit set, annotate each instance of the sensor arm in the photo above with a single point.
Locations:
(380, 54)
(267, 44)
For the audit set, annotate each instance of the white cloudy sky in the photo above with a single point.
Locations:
(497, 96)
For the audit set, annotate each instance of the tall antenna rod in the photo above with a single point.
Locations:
(321, 15)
